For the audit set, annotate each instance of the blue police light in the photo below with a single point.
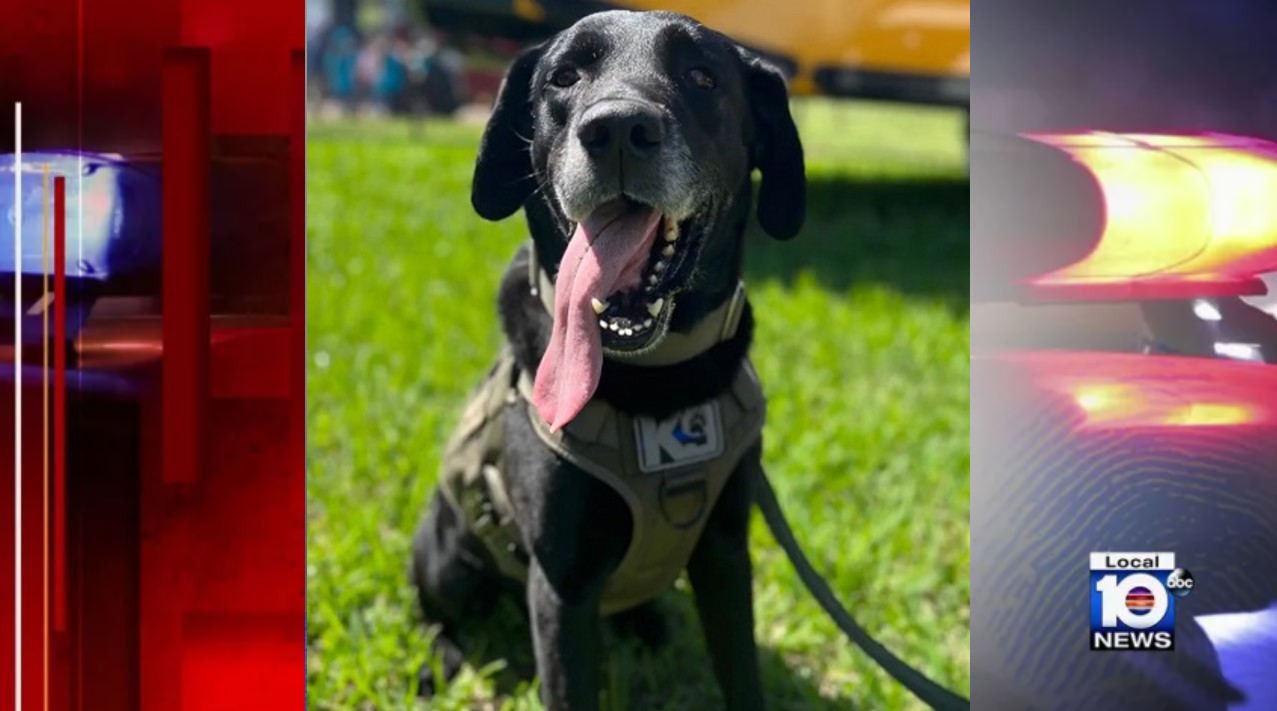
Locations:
(112, 220)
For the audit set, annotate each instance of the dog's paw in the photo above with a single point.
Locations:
(450, 658)
(426, 687)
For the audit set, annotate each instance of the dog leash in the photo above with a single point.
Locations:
(928, 691)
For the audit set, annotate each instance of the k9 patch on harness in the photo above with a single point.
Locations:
(693, 435)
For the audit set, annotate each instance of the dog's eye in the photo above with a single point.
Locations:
(564, 77)
(701, 79)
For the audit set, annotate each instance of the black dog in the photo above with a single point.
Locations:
(629, 140)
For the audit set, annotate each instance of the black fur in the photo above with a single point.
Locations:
(782, 197)
(575, 528)
(503, 175)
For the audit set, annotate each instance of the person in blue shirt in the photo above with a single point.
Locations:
(339, 65)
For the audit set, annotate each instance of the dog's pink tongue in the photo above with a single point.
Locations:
(605, 254)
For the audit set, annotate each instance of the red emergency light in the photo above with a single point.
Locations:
(1184, 216)
(1120, 391)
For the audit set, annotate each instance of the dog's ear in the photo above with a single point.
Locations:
(503, 177)
(778, 154)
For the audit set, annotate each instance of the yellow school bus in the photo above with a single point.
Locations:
(903, 50)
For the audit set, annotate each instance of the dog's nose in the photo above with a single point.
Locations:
(636, 127)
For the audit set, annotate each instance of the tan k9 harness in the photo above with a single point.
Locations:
(670, 472)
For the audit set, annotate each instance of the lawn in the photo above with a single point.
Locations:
(862, 345)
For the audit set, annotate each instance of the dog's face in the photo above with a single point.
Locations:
(648, 125)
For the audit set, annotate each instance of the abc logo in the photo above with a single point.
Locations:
(1180, 582)
(1137, 600)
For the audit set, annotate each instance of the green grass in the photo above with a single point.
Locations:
(862, 347)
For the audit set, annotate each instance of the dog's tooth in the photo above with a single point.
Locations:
(658, 267)
(671, 231)
(668, 251)
(602, 324)
(627, 332)
(599, 306)
(647, 323)
(614, 326)
(652, 280)
(654, 308)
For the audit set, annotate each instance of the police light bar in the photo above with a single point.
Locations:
(112, 212)
(1124, 391)
(1184, 216)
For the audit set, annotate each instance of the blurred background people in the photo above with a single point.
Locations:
(382, 60)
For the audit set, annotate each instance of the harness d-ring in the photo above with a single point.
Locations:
(678, 485)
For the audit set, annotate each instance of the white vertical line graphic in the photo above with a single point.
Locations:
(17, 405)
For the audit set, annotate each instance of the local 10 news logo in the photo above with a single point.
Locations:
(1133, 600)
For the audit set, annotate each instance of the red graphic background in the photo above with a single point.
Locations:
(175, 550)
